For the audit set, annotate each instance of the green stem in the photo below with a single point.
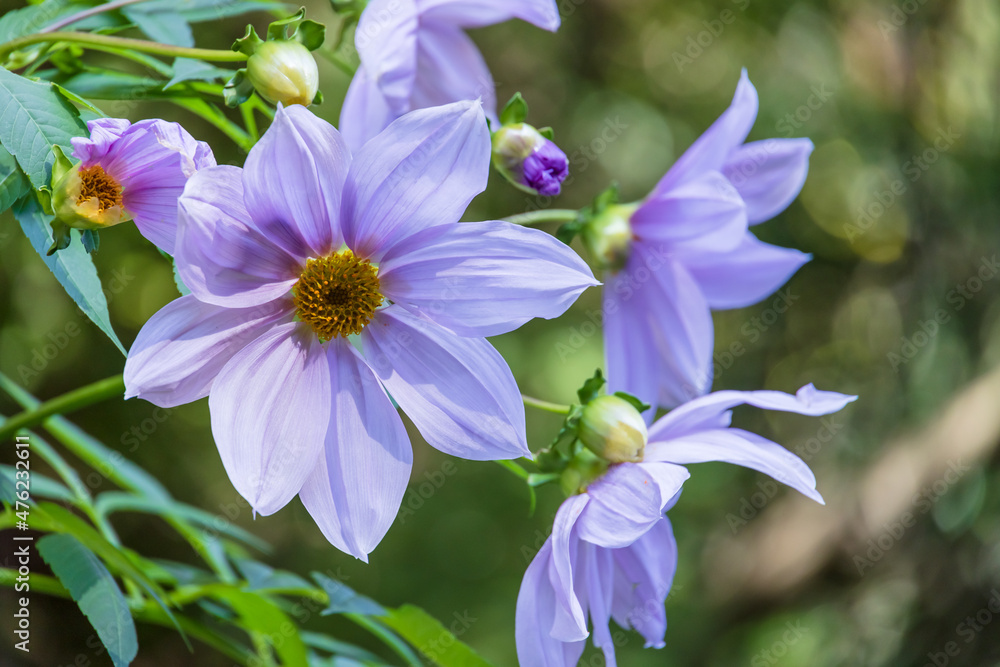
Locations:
(87, 39)
(401, 648)
(538, 217)
(538, 403)
(99, 391)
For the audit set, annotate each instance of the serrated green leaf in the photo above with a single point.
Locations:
(33, 118)
(13, 183)
(96, 593)
(187, 69)
(344, 599)
(72, 267)
(432, 638)
(161, 24)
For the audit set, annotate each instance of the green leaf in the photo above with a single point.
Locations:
(33, 118)
(633, 401)
(337, 647)
(72, 267)
(279, 29)
(161, 25)
(238, 89)
(248, 43)
(95, 592)
(188, 69)
(310, 34)
(106, 85)
(515, 111)
(547, 132)
(181, 287)
(591, 388)
(8, 493)
(261, 577)
(260, 615)
(41, 486)
(344, 600)
(29, 20)
(13, 183)
(432, 638)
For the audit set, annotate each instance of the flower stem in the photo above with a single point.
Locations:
(99, 391)
(108, 41)
(538, 217)
(538, 403)
(79, 16)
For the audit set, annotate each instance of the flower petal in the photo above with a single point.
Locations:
(768, 174)
(293, 180)
(459, 392)
(365, 112)
(355, 491)
(221, 256)
(423, 170)
(710, 151)
(569, 622)
(536, 605)
(599, 568)
(644, 574)
(483, 278)
(712, 411)
(104, 132)
(386, 40)
(743, 448)
(450, 69)
(181, 349)
(704, 212)
(270, 409)
(480, 13)
(742, 277)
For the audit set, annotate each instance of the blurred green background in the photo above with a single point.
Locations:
(899, 305)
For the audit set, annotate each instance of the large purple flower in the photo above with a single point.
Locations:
(612, 552)
(133, 172)
(686, 249)
(319, 282)
(414, 54)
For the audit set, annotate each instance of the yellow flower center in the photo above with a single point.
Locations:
(337, 295)
(95, 183)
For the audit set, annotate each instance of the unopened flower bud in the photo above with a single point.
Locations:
(608, 236)
(88, 198)
(529, 160)
(613, 429)
(284, 71)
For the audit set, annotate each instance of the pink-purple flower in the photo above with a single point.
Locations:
(612, 552)
(415, 54)
(686, 249)
(321, 283)
(131, 172)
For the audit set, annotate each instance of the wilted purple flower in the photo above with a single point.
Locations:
(612, 552)
(305, 247)
(529, 160)
(130, 172)
(414, 54)
(686, 250)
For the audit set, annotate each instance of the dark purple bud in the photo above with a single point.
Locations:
(529, 160)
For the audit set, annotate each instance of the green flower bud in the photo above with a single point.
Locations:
(284, 71)
(608, 236)
(613, 429)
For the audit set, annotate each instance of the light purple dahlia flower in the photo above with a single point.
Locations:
(305, 247)
(414, 54)
(133, 172)
(686, 250)
(612, 552)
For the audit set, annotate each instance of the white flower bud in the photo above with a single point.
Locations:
(284, 71)
(613, 429)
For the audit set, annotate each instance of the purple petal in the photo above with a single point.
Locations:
(181, 349)
(625, 502)
(423, 170)
(483, 278)
(769, 174)
(221, 256)
(569, 623)
(671, 323)
(742, 277)
(702, 213)
(459, 392)
(545, 169)
(644, 574)
(742, 448)
(365, 112)
(480, 13)
(355, 492)
(270, 409)
(386, 39)
(293, 179)
(712, 411)
(536, 605)
(710, 151)
(103, 133)
(599, 572)
(450, 68)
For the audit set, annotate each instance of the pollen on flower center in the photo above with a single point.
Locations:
(95, 183)
(337, 295)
